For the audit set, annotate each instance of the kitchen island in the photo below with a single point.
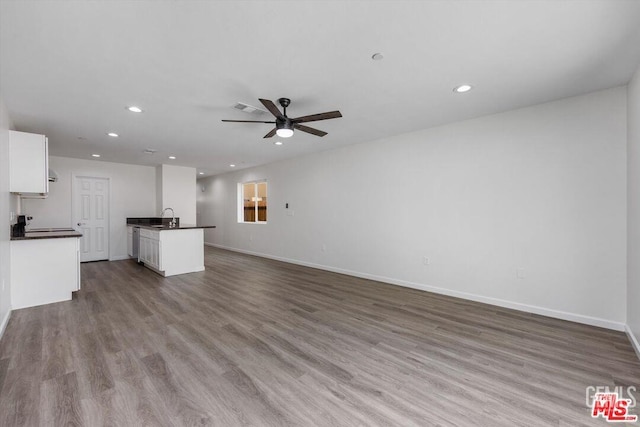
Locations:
(45, 267)
(167, 250)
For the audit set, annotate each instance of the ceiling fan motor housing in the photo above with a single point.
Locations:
(283, 123)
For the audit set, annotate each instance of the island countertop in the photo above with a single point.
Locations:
(165, 227)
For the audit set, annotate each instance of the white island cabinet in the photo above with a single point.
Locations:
(172, 251)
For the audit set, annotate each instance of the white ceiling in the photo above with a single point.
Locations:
(69, 68)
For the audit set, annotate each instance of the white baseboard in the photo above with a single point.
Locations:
(634, 341)
(4, 323)
(573, 317)
(119, 257)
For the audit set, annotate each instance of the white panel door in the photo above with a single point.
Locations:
(91, 209)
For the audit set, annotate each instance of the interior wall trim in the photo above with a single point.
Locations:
(4, 323)
(634, 341)
(557, 314)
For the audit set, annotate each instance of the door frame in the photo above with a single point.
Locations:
(74, 219)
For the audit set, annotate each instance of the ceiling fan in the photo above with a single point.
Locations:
(285, 125)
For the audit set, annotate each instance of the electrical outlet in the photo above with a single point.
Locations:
(425, 260)
(290, 213)
(324, 248)
(520, 273)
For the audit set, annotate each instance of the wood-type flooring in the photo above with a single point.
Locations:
(252, 341)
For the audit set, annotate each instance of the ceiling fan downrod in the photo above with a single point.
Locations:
(284, 103)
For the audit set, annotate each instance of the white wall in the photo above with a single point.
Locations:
(5, 222)
(539, 189)
(633, 213)
(159, 206)
(176, 184)
(133, 194)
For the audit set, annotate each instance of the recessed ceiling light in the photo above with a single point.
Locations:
(278, 143)
(232, 166)
(200, 173)
(377, 56)
(95, 155)
(462, 88)
(172, 157)
(134, 109)
(113, 134)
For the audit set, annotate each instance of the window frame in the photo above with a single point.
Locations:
(241, 185)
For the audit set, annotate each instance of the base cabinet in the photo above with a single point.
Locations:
(172, 252)
(150, 253)
(44, 271)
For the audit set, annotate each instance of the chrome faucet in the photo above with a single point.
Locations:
(172, 224)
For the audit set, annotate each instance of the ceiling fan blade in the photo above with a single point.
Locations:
(246, 121)
(269, 105)
(316, 117)
(270, 134)
(307, 129)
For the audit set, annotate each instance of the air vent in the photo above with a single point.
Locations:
(248, 108)
(150, 151)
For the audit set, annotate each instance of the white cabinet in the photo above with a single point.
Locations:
(144, 254)
(150, 249)
(28, 163)
(182, 251)
(171, 252)
(55, 277)
(130, 241)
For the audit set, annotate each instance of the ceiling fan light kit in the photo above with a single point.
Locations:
(284, 132)
(285, 125)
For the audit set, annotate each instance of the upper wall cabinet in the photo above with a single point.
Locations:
(28, 163)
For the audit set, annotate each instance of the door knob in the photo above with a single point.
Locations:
(82, 223)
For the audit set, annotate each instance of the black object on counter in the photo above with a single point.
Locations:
(18, 229)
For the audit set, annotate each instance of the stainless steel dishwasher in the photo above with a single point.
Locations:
(135, 251)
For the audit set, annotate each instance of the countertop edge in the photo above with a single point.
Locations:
(39, 237)
(180, 227)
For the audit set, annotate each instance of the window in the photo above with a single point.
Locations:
(252, 206)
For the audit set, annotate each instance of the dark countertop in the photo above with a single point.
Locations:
(49, 233)
(165, 227)
(151, 220)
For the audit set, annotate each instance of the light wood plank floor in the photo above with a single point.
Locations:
(257, 342)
